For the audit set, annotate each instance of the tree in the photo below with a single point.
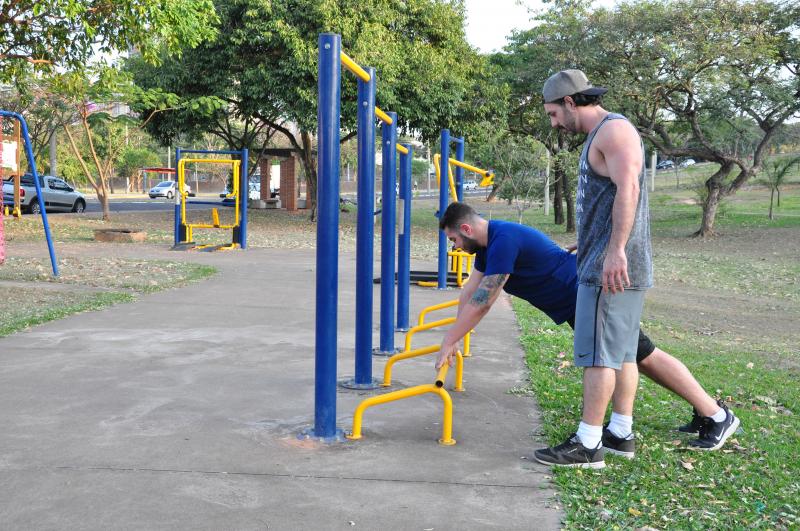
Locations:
(263, 64)
(132, 160)
(692, 66)
(520, 164)
(559, 40)
(41, 34)
(776, 172)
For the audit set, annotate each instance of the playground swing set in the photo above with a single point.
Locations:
(185, 229)
(331, 61)
(10, 158)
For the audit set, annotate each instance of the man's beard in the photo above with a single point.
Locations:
(569, 124)
(469, 245)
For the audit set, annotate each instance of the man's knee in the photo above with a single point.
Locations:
(644, 348)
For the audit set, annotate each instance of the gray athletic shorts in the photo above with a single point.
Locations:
(607, 327)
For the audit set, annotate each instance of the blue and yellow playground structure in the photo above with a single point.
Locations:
(185, 229)
(20, 138)
(331, 61)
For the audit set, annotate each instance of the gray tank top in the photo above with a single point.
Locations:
(593, 205)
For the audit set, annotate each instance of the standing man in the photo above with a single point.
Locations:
(614, 263)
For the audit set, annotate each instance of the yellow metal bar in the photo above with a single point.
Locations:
(447, 415)
(387, 370)
(459, 383)
(428, 326)
(215, 224)
(212, 161)
(440, 306)
(467, 353)
(208, 226)
(215, 217)
(354, 68)
(469, 167)
(385, 118)
(427, 283)
(402, 149)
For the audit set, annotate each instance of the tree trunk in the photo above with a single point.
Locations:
(492, 194)
(779, 197)
(771, 197)
(570, 200)
(709, 212)
(558, 194)
(310, 168)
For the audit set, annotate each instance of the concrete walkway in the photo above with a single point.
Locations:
(182, 411)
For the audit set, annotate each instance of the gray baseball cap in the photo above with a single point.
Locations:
(567, 83)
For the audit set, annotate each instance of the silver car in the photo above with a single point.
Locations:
(167, 189)
(58, 196)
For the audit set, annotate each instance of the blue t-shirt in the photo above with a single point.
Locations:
(539, 271)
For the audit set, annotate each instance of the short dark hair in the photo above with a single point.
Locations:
(582, 100)
(456, 214)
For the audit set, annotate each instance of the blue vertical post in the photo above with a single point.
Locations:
(404, 241)
(388, 222)
(244, 188)
(178, 220)
(365, 230)
(459, 169)
(444, 183)
(327, 288)
(32, 164)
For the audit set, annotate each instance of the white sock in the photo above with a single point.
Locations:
(719, 416)
(589, 435)
(621, 425)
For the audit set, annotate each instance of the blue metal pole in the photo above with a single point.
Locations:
(443, 202)
(365, 230)
(245, 185)
(327, 289)
(388, 223)
(404, 242)
(32, 163)
(178, 219)
(459, 169)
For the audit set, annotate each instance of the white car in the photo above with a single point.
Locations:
(167, 189)
(470, 186)
(687, 162)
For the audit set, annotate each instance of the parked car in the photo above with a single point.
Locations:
(665, 165)
(58, 196)
(167, 189)
(470, 186)
(687, 162)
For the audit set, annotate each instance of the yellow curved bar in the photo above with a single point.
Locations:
(447, 415)
(385, 118)
(459, 384)
(467, 345)
(440, 306)
(354, 68)
(420, 328)
(387, 369)
(402, 149)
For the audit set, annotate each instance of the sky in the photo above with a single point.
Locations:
(489, 22)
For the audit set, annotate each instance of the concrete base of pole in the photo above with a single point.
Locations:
(308, 434)
(350, 383)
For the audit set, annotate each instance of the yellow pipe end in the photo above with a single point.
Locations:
(402, 149)
(385, 118)
(449, 442)
(353, 436)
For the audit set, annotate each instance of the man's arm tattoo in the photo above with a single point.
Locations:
(487, 288)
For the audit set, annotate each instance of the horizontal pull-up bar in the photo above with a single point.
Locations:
(354, 68)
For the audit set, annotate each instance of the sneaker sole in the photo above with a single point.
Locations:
(626, 455)
(595, 465)
(730, 431)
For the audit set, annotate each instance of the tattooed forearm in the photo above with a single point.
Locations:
(486, 290)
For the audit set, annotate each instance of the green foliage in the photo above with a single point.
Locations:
(132, 159)
(42, 34)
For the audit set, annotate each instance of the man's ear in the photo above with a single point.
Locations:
(466, 228)
(569, 102)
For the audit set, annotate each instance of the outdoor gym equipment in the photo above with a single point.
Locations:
(23, 128)
(184, 231)
(331, 61)
(436, 388)
(10, 158)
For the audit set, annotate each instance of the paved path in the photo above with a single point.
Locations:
(182, 410)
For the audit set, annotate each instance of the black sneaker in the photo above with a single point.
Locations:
(572, 453)
(714, 434)
(618, 445)
(694, 425)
